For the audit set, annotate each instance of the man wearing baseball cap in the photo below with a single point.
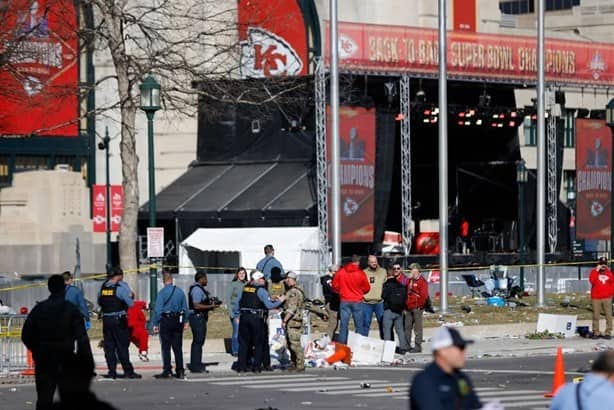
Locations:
(602, 289)
(442, 385)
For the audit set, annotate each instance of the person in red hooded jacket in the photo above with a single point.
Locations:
(417, 293)
(602, 288)
(137, 323)
(351, 283)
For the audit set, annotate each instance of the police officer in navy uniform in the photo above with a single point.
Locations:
(169, 318)
(200, 304)
(114, 299)
(254, 301)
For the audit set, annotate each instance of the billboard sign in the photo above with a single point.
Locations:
(464, 15)
(593, 176)
(486, 57)
(357, 172)
(273, 38)
(39, 82)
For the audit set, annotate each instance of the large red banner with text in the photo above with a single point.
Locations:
(39, 82)
(273, 38)
(357, 172)
(464, 15)
(99, 207)
(593, 179)
(493, 57)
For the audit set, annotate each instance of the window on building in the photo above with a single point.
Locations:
(530, 131)
(5, 173)
(528, 6)
(569, 139)
(31, 162)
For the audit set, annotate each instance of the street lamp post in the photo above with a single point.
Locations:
(150, 103)
(521, 178)
(104, 145)
(609, 119)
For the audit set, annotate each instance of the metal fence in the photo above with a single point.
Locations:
(13, 353)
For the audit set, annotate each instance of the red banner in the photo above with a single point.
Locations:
(99, 207)
(593, 176)
(39, 84)
(464, 15)
(357, 172)
(273, 38)
(493, 57)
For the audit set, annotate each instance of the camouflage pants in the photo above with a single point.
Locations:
(293, 335)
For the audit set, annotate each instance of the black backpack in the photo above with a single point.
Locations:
(397, 297)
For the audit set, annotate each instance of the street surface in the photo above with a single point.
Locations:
(518, 382)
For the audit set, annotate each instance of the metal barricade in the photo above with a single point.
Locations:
(13, 353)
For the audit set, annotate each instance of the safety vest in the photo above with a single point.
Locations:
(249, 298)
(108, 300)
(276, 289)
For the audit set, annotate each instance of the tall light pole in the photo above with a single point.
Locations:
(443, 158)
(150, 103)
(335, 189)
(609, 120)
(104, 145)
(521, 178)
(541, 157)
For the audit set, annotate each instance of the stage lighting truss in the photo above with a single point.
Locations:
(495, 117)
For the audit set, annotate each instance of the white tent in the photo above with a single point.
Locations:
(296, 248)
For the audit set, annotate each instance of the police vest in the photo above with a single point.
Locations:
(205, 301)
(276, 289)
(108, 300)
(249, 298)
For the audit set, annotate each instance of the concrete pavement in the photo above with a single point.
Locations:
(490, 341)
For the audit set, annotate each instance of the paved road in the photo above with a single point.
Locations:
(519, 383)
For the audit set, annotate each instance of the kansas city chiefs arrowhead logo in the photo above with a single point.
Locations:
(347, 46)
(264, 54)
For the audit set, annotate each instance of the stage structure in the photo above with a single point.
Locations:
(322, 180)
(405, 163)
(552, 186)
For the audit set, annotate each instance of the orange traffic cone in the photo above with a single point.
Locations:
(558, 379)
(342, 354)
(29, 371)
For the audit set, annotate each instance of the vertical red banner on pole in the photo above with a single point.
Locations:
(465, 15)
(357, 172)
(593, 176)
(99, 221)
(117, 207)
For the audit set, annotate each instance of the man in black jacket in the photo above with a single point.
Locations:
(55, 333)
(332, 301)
(394, 295)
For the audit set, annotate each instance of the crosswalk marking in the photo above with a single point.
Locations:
(404, 391)
(528, 403)
(247, 377)
(268, 383)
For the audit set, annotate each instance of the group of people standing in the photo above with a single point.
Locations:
(397, 300)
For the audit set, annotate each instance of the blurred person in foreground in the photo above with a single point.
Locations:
(442, 385)
(54, 332)
(594, 392)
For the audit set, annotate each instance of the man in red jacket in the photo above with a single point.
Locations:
(602, 288)
(417, 293)
(351, 283)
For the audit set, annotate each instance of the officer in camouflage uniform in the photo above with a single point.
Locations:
(293, 322)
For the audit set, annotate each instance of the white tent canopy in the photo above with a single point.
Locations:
(296, 248)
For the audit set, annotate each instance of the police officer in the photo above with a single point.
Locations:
(54, 332)
(200, 305)
(254, 301)
(169, 319)
(114, 299)
(74, 295)
(293, 321)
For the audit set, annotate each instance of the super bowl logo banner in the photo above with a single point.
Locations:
(357, 172)
(39, 81)
(593, 179)
(273, 38)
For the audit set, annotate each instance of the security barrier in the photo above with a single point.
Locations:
(13, 353)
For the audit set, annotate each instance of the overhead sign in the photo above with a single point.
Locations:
(99, 207)
(593, 179)
(155, 242)
(357, 163)
(464, 15)
(273, 38)
(492, 57)
(39, 81)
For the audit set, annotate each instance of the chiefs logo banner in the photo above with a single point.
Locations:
(593, 179)
(39, 80)
(273, 38)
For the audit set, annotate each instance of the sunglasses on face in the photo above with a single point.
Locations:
(396, 268)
